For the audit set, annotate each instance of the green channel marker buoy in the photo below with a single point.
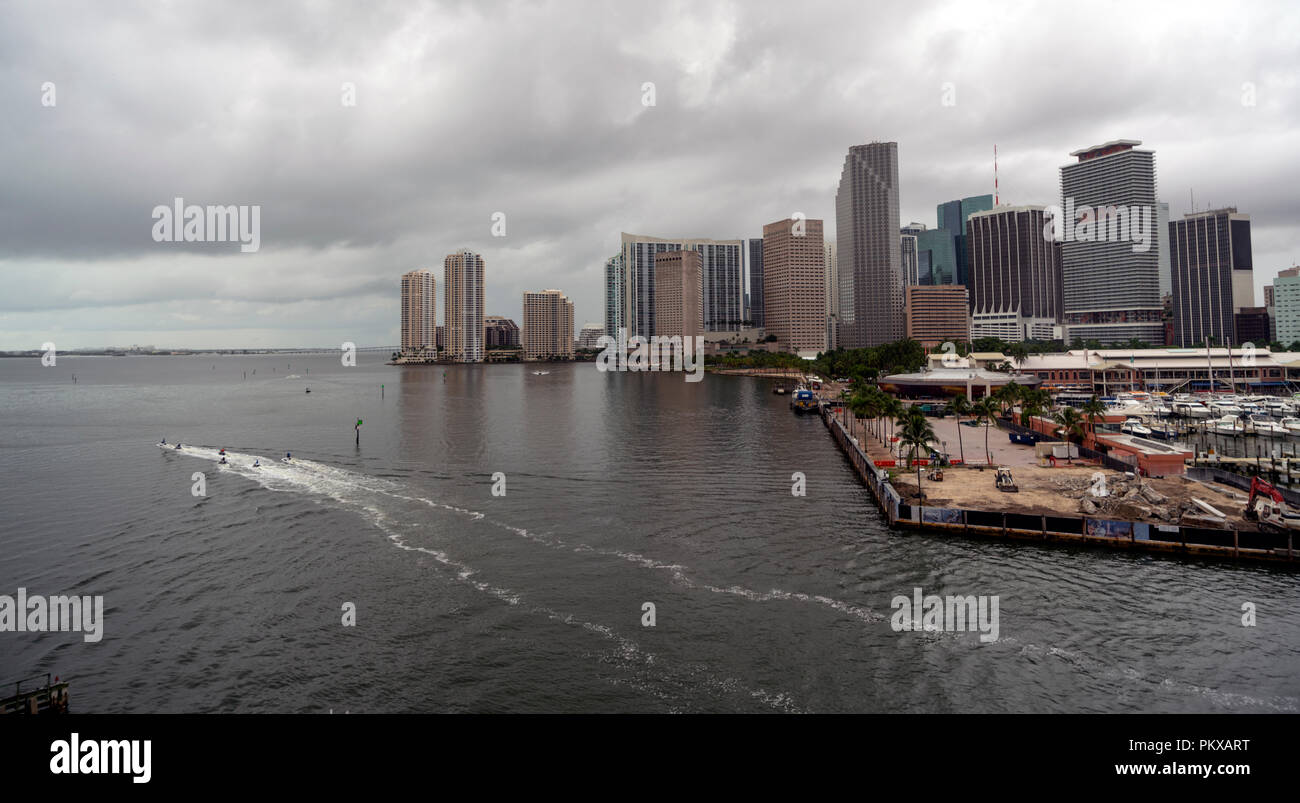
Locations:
(358, 429)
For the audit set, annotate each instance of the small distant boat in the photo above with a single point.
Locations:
(540, 373)
(779, 390)
(309, 390)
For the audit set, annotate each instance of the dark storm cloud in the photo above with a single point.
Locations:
(534, 110)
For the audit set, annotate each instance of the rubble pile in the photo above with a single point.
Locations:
(1125, 499)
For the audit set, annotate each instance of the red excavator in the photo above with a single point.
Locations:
(1267, 507)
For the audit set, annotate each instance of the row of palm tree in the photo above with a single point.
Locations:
(872, 403)
(983, 410)
(915, 433)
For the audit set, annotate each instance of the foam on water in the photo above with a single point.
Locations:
(343, 486)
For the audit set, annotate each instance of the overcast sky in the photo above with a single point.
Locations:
(535, 110)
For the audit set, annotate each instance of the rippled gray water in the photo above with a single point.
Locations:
(620, 490)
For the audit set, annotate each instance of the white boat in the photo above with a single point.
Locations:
(1134, 426)
(1291, 425)
(1229, 425)
(1191, 409)
(1225, 407)
(1164, 432)
(540, 373)
(1263, 425)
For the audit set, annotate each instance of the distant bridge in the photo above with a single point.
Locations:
(388, 349)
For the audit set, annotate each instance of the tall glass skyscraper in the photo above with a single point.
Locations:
(1213, 275)
(615, 286)
(941, 252)
(419, 311)
(1111, 292)
(721, 265)
(756, 314)
(868, 252)
(463, 281)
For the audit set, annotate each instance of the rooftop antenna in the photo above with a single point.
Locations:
(995, 174)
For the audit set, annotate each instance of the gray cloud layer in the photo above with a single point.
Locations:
(534, 110)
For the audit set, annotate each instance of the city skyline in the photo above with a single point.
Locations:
(353, 195)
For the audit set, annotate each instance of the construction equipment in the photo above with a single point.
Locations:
(1266, 506)
(935, 475)
(1004, 482)
(940, 459)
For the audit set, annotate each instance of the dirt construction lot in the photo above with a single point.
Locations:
(1066, 491)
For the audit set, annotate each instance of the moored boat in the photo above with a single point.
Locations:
(1134, 426)
(1228, 425)
(803, 400)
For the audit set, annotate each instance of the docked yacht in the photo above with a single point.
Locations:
(1159, 407)
(1263, 425)
(1190, 409)
(1226, 407)
(1279, 408)
(1134, 426)
(1229, 425)
(1163, 431)
(1291, 425)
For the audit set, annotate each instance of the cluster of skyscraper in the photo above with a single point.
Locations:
(1106, 264)
(466, 334)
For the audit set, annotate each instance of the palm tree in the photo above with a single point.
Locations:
(1071, 425)
(1092, 408)
(915, 432)
(868, 405)
(986, 409)
(1009, 394)
(960, 406)
(1031, 403)
(862, 404)
(1044, 399)
(894, 410)
(1019, 354)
